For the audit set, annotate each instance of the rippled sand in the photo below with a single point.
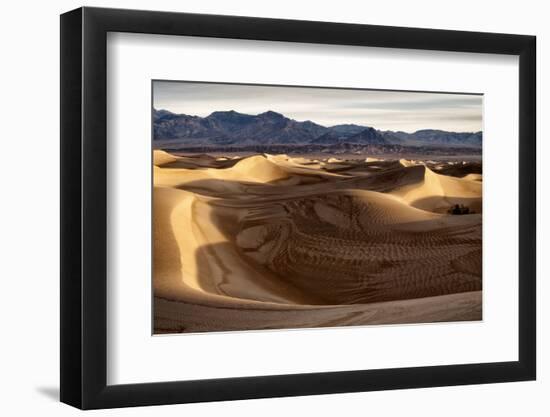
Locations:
(267, 242)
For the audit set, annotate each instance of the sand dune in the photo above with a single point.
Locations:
(473, 177)
(435, 192)
(271, 241)
(161, 158)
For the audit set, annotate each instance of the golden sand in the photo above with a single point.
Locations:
(271, 241)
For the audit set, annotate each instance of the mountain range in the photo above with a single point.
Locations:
(230, 128)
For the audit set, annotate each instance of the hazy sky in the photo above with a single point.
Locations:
(384, 110)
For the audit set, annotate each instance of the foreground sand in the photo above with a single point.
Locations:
(267, 242)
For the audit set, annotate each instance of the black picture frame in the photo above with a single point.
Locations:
(84, 207)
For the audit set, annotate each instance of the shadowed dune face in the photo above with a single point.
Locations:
(275, 242)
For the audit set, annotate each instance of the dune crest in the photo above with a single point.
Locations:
(437, 193)
(258, 168)
(161, 158)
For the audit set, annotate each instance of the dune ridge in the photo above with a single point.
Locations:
(272, 241)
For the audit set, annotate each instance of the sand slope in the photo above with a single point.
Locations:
(271, 241)
(435, 192)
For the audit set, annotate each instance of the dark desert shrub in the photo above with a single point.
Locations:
(459, 209)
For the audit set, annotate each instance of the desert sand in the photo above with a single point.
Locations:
(272, 241)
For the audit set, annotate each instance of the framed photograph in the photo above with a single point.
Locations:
(258, 208)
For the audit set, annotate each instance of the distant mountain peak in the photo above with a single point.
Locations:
(271, 113)
(161, 111)
(226, 113)
(346, 126)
